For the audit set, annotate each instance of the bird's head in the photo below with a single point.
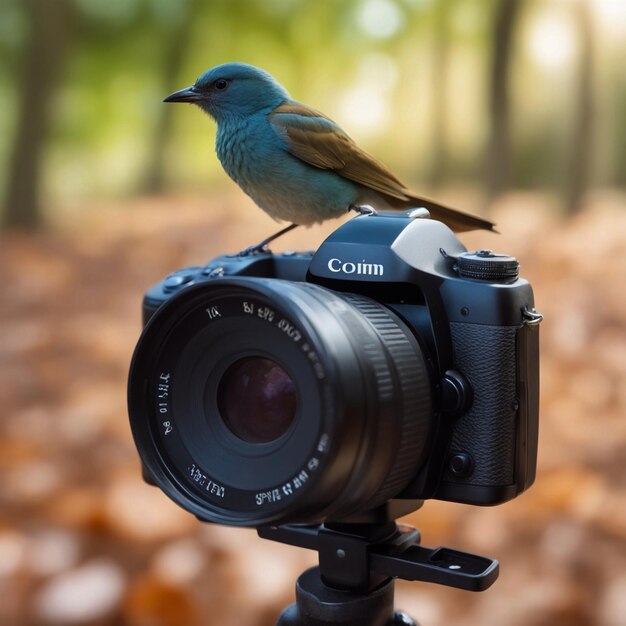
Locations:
(232, 91)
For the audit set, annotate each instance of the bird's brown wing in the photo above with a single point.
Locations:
(317, 140)
(314, 138)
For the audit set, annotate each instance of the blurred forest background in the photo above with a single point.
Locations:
(515, 109)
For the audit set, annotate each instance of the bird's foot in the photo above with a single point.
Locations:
(261, 247)
(258, 249)
(363, 209)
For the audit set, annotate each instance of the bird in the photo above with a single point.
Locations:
(296, 163)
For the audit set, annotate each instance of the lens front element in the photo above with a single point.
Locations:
(257, 399)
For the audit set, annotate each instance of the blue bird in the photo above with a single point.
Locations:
(293, 161)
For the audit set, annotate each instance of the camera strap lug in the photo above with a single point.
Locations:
(531, 317)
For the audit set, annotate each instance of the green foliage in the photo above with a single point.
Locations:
(108, 107)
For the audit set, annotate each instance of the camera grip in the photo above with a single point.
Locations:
(486, 355)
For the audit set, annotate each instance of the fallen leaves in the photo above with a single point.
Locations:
(84, 541)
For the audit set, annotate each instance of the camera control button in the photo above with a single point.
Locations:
(461, 465)
(419, 213)
(456, 393)
(176, 281)
(487, 265)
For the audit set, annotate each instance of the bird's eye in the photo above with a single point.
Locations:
(220, 84)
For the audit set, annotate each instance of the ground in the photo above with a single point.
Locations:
(84, 541)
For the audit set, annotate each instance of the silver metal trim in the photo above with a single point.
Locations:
(532, 317)
(420, 212)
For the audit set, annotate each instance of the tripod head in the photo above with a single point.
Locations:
(357, 564)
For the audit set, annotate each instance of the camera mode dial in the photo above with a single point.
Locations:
(487, 265)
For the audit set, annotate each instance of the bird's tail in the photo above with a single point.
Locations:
(458, 221)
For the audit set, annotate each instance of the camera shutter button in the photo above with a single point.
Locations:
(487, 265)
(176, 281)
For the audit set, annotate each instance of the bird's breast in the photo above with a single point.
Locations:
(282, 185)
(249, 155)
(233, 151)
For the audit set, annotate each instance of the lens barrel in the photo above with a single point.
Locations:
(259, 401)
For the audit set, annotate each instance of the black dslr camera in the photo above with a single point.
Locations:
(341, 386)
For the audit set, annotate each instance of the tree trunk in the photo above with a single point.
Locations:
(441, 55)
(582, 133)
(499, 147)
(175, 51)
(42, 63)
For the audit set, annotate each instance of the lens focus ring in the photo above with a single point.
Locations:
(414, 385)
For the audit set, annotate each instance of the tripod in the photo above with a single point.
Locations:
(354, 582)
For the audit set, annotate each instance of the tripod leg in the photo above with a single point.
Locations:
(262, 244)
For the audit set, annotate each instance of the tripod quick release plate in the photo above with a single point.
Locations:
(358, 557)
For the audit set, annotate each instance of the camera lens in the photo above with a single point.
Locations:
(260, 401)
(257, 399)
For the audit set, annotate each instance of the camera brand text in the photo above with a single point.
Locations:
(362, 268)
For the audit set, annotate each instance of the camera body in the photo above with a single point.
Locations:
(474, 322)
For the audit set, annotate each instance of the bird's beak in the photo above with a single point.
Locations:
(189, 94)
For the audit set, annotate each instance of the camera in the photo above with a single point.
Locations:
(346, 385)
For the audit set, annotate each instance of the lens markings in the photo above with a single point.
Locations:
(163, 393)
(293, 485)
(204, 481)
(290, 330)
(213, 312)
